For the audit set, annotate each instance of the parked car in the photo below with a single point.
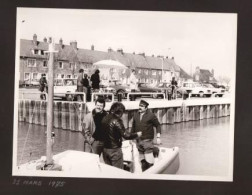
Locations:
(64, 86)
(166, 87)
(196, 89)
(119, 87)
(218, 91)
(146, 87)
(30, 82)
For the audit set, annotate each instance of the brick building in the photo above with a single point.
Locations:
(204, 76)
(70, 58)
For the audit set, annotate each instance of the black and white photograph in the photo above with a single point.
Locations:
(94, 88)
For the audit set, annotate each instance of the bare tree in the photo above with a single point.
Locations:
(226, 80)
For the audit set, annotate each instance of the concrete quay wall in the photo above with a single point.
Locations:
(69, 115)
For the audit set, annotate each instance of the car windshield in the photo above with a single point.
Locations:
(69, 82)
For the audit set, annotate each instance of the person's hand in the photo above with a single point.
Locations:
(139, 133)
(158, 141)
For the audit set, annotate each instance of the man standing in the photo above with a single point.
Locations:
(174, 85)
(133, 83)
(43, 87)
(145, 121)
(114, 129)
(80, 84)
(95, 79)
(91, 128)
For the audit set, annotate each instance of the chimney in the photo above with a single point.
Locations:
(92, 47)
(61, 41)
(45, 40)
(35, 39)
(50, 40)
(172, 58)
(74, 44)
(166, 57)
(142, 54)
(120, 51)
(110, 49)
(212, 72)
(134, 53)
(153, 55)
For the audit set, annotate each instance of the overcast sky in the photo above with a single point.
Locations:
(207, 40)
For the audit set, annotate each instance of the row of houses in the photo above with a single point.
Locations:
(70, 58)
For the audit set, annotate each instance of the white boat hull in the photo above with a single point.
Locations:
(83, 164)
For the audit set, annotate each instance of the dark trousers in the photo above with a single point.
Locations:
(113, 157)
(96, 147)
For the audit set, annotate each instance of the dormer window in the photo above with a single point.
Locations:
(36, 51)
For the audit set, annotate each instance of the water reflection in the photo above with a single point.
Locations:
(204, 144)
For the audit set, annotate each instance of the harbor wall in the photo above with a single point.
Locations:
(69, 115)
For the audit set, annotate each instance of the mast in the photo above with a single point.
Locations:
(51, 52)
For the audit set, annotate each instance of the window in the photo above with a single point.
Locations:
(154, 72)
(59, 82)
(42, 52)
(139, 71)
(73, 66)
(60, 76)
(26, 76)
(35, 51)
(35, 75)
(68, 76)
(75, 76)
(61, 65)
(45, 63)
(146, 71)
(31, 63)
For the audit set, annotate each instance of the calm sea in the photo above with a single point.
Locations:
(204, 144)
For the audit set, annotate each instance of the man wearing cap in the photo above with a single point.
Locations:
(144, 120)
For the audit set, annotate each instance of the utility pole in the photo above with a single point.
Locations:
(162, 69)
(51, 52)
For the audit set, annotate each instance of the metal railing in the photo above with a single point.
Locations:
(73, 93)
(34, 92)
(45, 94)
(102, 94)
(146, 93)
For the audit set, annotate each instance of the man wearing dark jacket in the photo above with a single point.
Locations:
(92, 129)
(144, 120)
(114, 129)
(95, 79)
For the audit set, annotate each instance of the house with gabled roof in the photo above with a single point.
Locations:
(204, 76)
(70, 58)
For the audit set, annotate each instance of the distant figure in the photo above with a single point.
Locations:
(43, 87)
(174, 85)
(80, 84)
(144, 121)
(86, 85)
(133, 82)
(92, 129)
(95, 79)
(114, 129)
